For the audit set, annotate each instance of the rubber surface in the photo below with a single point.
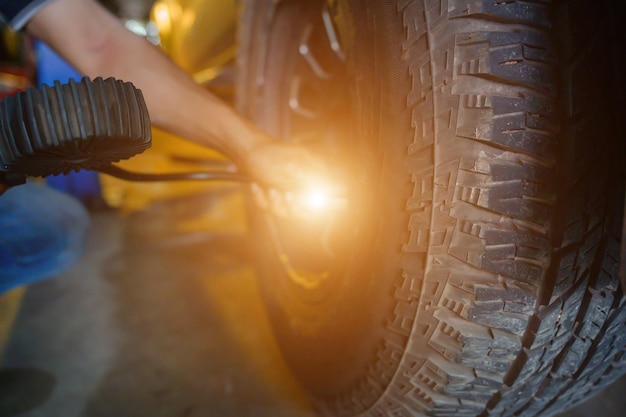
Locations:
(506, 299)
(73, 126)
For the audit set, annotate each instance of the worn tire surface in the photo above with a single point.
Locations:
(487, 132)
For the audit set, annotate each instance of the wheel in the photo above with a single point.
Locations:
(474, 271)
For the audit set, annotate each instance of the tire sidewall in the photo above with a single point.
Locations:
(351, 329)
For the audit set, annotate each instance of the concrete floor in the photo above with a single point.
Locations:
(158, 322)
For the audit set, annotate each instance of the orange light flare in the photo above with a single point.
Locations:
(317, 199)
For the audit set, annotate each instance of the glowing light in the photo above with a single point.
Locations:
(161, 14)
(161, 18)
(136, 27)
(316, 199)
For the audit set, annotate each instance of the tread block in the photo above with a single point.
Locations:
(511, 322)
(525, 123)
(574, 357)
(513, 58)
(549, 318)
(506, 11)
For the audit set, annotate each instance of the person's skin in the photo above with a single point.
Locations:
(97, 44)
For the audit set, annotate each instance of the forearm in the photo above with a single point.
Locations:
(105, 48)
(176, 103)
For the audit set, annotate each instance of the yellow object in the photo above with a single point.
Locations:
(168, 154)
(234, 295)
(200, 37)
(9, 307)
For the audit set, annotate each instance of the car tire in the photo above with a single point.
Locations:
(475, 270)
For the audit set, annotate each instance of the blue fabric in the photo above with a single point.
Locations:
(42, 233)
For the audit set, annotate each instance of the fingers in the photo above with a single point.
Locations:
(272, 200)
(307, 203)
(284, 166)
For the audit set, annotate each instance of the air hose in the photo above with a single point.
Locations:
(184, 176)
(86, 124)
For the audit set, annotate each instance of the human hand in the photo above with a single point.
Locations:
(315, 200)
(294, 182)
(283, 166)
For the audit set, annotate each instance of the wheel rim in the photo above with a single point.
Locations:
(316, 108)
